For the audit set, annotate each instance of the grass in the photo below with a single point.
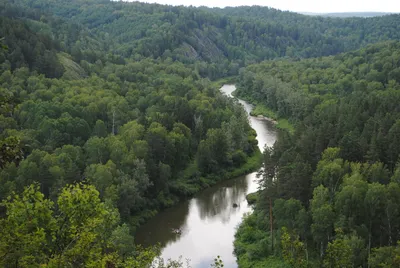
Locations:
(224, 81)
(282, 123)
(264, 111)
(271, 262)
(252, 198)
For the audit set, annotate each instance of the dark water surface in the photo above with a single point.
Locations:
(208, 221)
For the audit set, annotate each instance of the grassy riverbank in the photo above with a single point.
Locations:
(259, 108)
(224, 81)
(262, 110)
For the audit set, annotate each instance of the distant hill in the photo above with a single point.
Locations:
(226, 39)
(348, 14)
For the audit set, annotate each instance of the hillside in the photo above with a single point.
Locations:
(108, 115)
(218, 40)
(92, 144)
(334, 183)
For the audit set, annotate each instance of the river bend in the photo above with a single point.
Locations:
(208, 221)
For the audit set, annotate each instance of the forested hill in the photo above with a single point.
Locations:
(92, 143)
(334, 185)
(228, 38)
(349, 14)
(108, 115)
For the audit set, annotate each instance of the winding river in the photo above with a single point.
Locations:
(208, 221)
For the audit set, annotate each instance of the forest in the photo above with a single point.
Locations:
(333, 185)
(108, 115)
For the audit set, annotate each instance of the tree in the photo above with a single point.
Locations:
(293, 249)
(10, 151)
(77, 233)
(2, 46)
(330, 171)
(290, 214)
(96, 151)
(375, 202)
(323, 218)
(385, 257)
(29, 224)
(100, 129)
(349, 202)
(213, 151)
(338, 253)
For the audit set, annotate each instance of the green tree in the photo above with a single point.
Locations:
(293, 249)
(323, 218)
(10, 151)
(338, 253)
(375, 202)
(385, 257)
(28, 225)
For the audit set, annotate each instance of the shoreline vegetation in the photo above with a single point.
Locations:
(253, 163)
(327, 192)
(259, 110)
(247, 227)
(264, 112)
(111, 113)
(230, 80)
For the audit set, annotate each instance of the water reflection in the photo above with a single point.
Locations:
(208, 221)
(159, 229)
(217, 203)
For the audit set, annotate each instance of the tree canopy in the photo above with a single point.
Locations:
(333, 179)
(108, 115)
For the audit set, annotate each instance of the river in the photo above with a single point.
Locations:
(208, 221)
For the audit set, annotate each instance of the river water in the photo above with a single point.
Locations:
(208, 221)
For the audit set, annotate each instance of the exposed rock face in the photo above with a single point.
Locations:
(200, 45)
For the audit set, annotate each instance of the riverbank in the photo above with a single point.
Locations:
(188, 182)
(252, 164)
(252, 244)
(230, 80)
(188, 190)
(214, 205)
(260, 110)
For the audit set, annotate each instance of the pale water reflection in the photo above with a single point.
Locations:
(208, 221)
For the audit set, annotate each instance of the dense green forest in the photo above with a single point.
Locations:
(108, 115)
(333, 185)
(217, 42)
(145, 133)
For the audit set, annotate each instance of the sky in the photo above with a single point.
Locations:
(315, 6)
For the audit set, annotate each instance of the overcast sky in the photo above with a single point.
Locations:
(318, 6)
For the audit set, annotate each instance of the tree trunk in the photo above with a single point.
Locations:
(306, 251)
(113, 123)
(321, 253)
(369, 243)
(390, 226)
(271, 222)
